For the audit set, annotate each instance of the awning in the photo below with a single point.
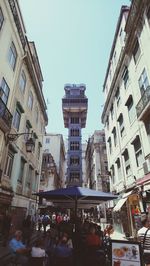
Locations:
(125, 195)
(119, 205)
(144, 179)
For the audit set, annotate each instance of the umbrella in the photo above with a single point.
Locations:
(75, 197)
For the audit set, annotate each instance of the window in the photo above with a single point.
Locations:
(16, 119)
(131, 109)
(138, 151)
(136, 52)
(121, 124)
(30, 100)
(4, 91)
(35, 183)
(122, 36)
(127, 162)
(9, 164)
(106, 166)
(119, 168)
(1, 18)
(143, 81)
(74, 132)
(74, 120)
(74, 145)
(113, 174)
(115, 58)
(39, 150)
(22, 165)
(125, 77)
(112, 112)
(104, 150)
(107, 122)
(110, 75)
(36, 115)
(110, 145)
(22, 82)
(47, 140)
(74, 176)
(148, 15)
(12, 56)
(74, 161)
(115, 136)
(29, 176)
(42, 128)
(118, 99)
(27, 130)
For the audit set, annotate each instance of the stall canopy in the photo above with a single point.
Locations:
(76, 197)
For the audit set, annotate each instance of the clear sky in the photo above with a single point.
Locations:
(73, 40)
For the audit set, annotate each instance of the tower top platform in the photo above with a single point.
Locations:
(74, 103)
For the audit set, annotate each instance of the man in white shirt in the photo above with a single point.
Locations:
(144, 235)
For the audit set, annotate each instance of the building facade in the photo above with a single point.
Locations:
(96, 162)
(53, 163)
(22, 110)
(126, 109)
(74, 105)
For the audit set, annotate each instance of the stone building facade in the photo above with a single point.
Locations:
(126, 110)
(53, 162)
(22, 110)
(96, 162)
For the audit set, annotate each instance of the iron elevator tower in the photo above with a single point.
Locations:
(74, 106)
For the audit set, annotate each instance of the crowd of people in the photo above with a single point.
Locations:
(59, 244)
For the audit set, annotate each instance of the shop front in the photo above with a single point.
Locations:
(127, 213)
(144, 187)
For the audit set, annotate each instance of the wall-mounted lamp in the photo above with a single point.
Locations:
(30, 142)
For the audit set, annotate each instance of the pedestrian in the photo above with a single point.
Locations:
(144, 237)
(37, 250)
(45, 222)
(19, 250)
(40, 222)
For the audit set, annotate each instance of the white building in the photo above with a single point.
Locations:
(22, 110)
(84, 176)
(54, 154)
(126, 110)
(96, 162)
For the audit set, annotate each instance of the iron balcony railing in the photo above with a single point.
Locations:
(5, 115)
(145, 99)
(75, 102)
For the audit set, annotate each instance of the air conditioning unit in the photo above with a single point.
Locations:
(145, 168)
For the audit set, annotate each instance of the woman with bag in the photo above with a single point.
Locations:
(144, 237)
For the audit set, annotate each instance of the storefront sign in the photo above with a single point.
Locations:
(125, 253)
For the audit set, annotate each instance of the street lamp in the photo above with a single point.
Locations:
(30, 142)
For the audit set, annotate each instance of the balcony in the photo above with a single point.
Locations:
(5, 117)
(143, 104)
(74, 103)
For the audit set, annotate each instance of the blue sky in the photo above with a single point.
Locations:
(73, 40)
